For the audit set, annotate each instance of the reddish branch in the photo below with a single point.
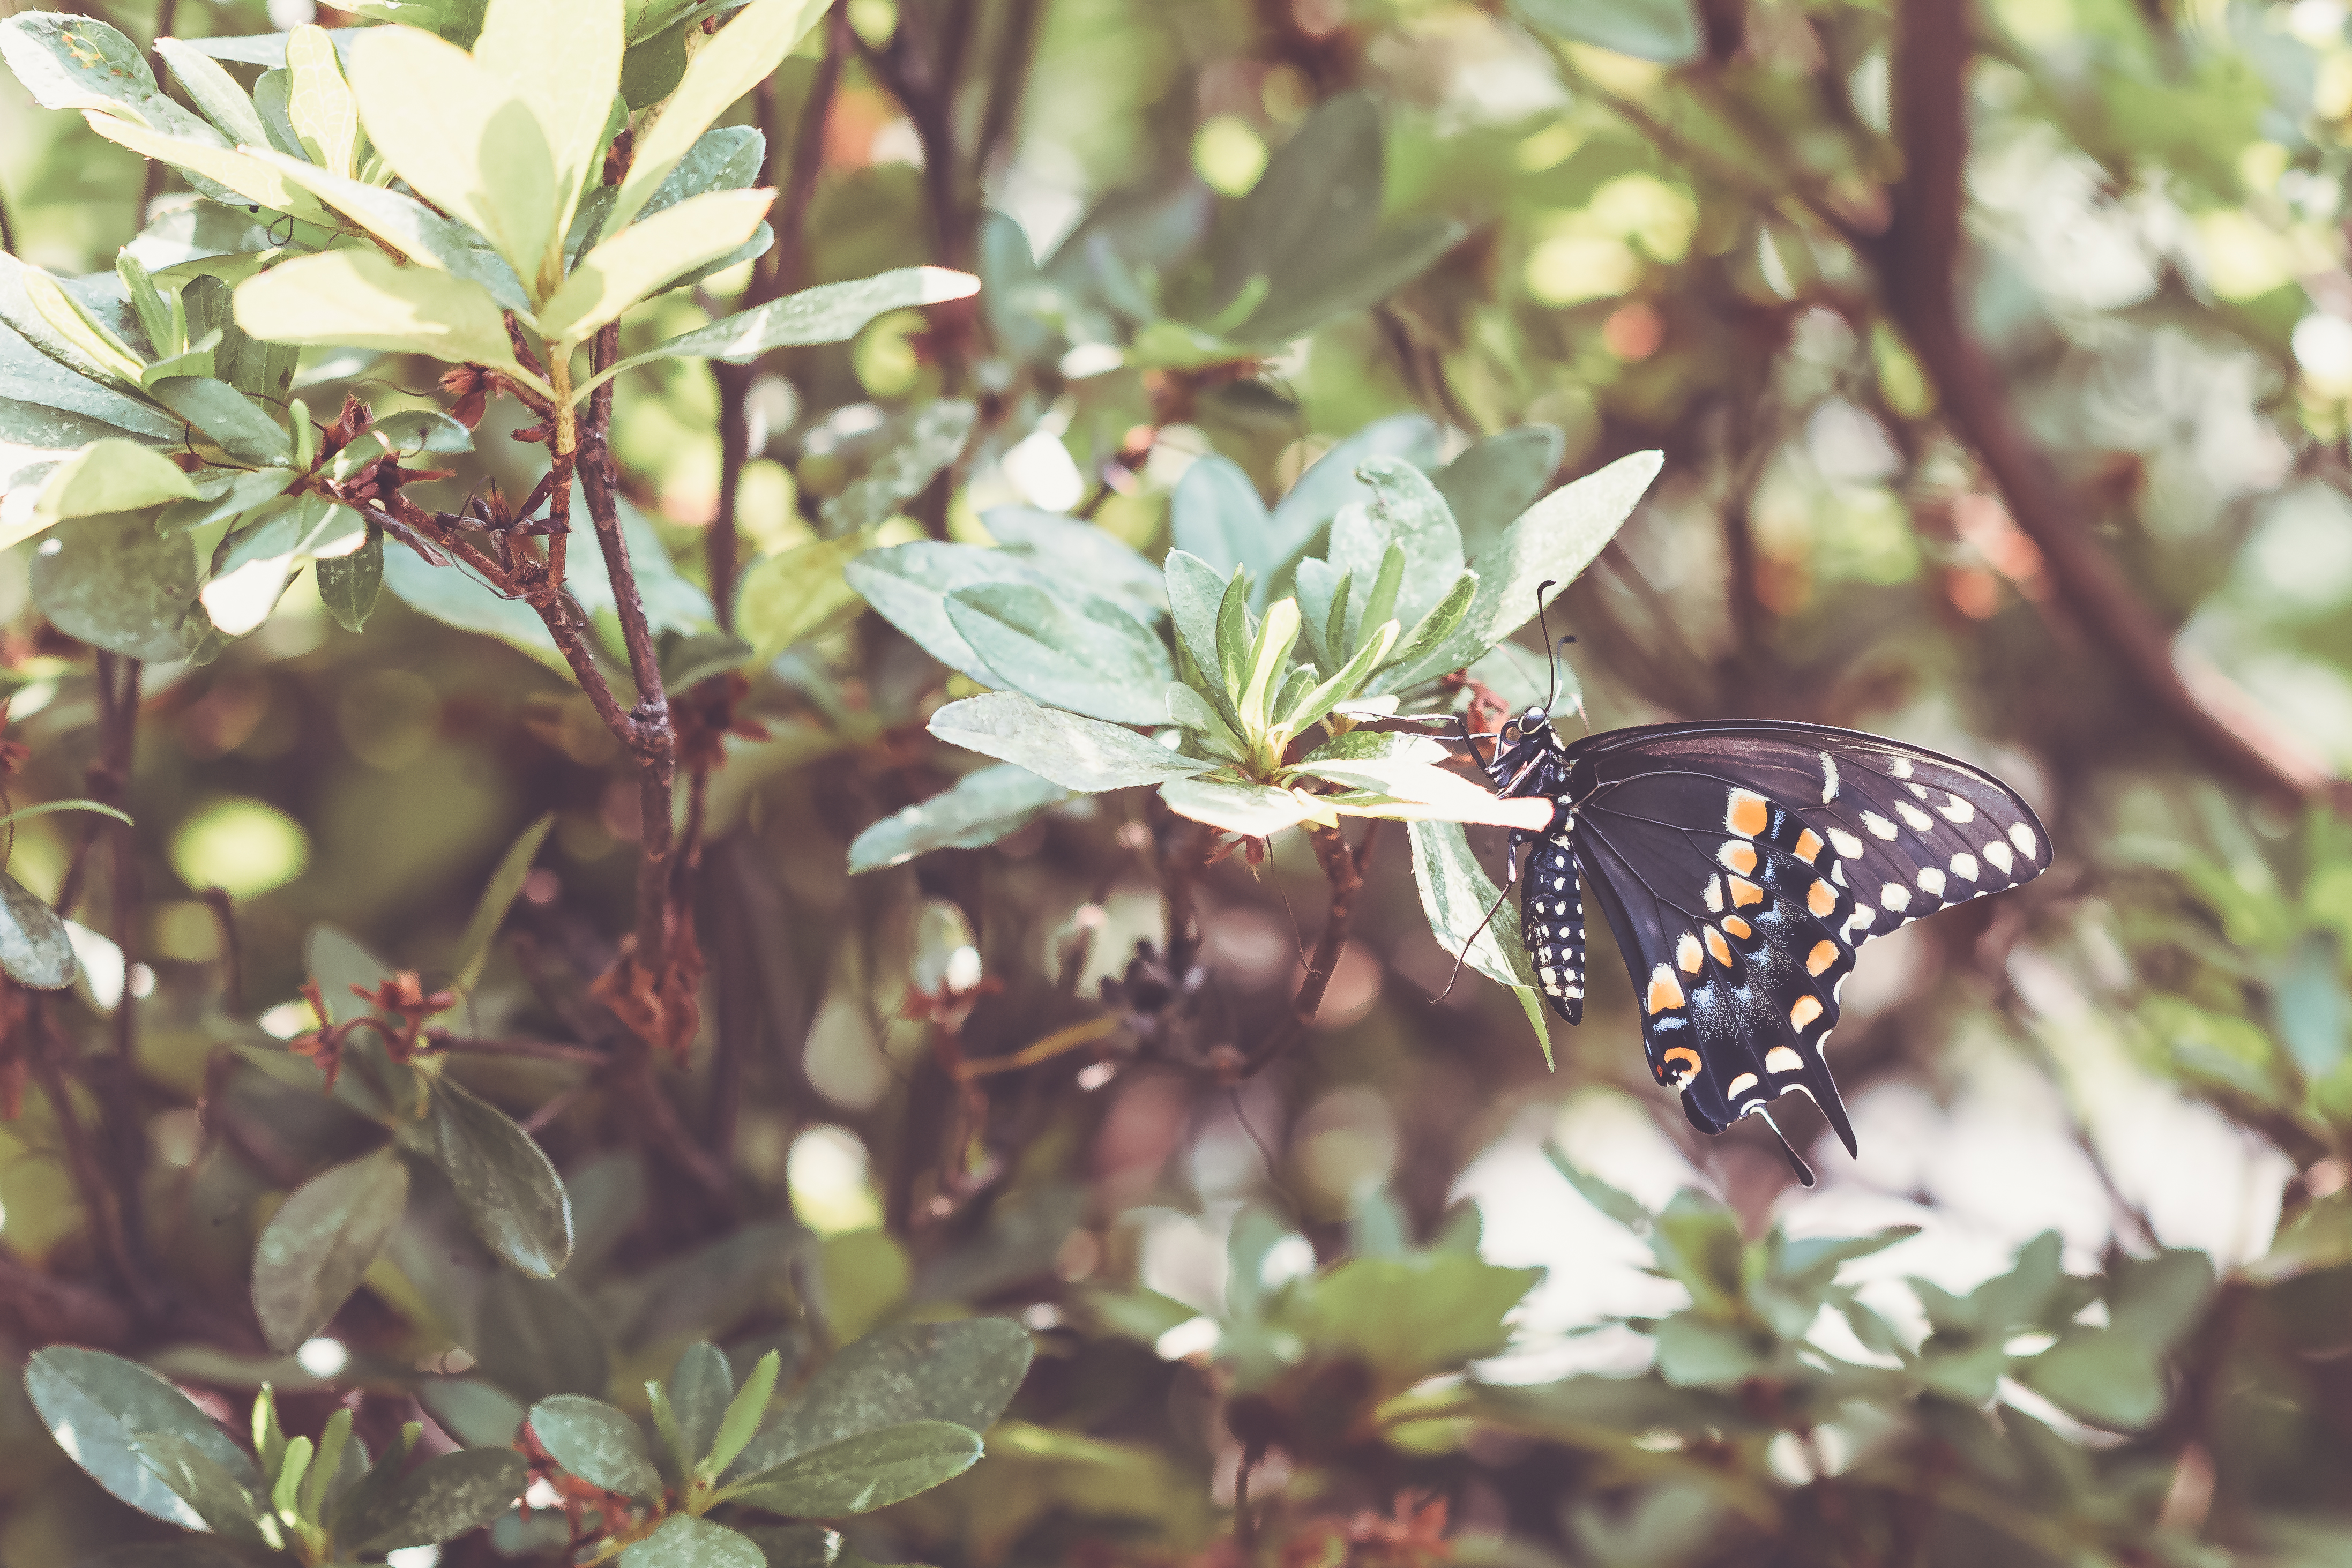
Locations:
(1916, 260)
(1343, 868)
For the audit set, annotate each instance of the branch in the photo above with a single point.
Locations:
(1344, 869)
(1916, 261)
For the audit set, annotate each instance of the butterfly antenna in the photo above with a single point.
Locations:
(1796, 1161)
(1462, 956)
(1551, 651)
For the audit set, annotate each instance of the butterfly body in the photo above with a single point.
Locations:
(1740, 864)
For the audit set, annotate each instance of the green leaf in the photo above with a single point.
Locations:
(1081, 754)
(1252, 809)
(1621, 1206)
(963, 1374)
(475, 1413)
(1415, 661)
(508, 1191)
(562, 59)
(759, 38)
(218, 172)
(1319, 197)
(215, 92)
(831, 313)
(113, 582)
(646, 257)
(228, 1508)
(77, 62)
(232, 420)
(263, 372)
(1499, 477)
(35, 949)
(1070, 550)
(27, 812)
(409, 227)
(1318, 701)
(1401, 789)
(316, 1247)
(802, 1546)
(685, 1542)
(934, 439)
(1415, 1315)
(498, 897)
(1696, 1352)
(61, 325)
(2158, 1301)
(95, 1404)
(1455, 894)
(596, 1443)
(1267, 661)
(1351, 280)
(701, 1388)
(155, 318)
(464, 141)
(1217, 515)
(319, 104)
(439, 1500)
(1331, 483)
(1196, 595)
(2102, 1376)
(1231, 663)
(907, 586)
(268, 1436)
(786, 599)
(357, 298)
(1667, 31)
(982, 806)
(285, 1491)
(350, 585)
(744, 1413)
(378, 1479)
(1553, 540)
(109, 476)
(333, 1443)
(1405, 514)
(858, 1475)
(1068, 647)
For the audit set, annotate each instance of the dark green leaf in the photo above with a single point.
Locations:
(1319, 197)
(1196, 591)
(318, 1246)
(1077, 753)
(650, 72)
(1065, 647)
(907, 586)
(226, 1506)
(1623, 1208)
(536, 1338)
(1697, 1241)
(440, 1500)
(982, 807)
(35, 949)
(700, 1385)
(506, 1187)
(1405, 513)
(797, 1545)
(476, 1414)
(1350, 280)
(962, 1373)
(743, 1415)
(1068, 550)
(2157, 1301)
(112, 581)
(832, 314)
(95, 1403)
(862, 1473)
(1415, 1315)
(1331, 483)
(685, 1542)
(596, 1443)
(1694, 1352)
(1455, 894)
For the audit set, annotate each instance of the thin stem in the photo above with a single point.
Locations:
(99, 1198)
(1344, 870)
(538, 1050)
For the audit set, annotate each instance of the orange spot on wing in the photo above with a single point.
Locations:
(1717, 946)
(1684, 1058)
(1805, 1011)
(1746, 814)
(1809, 846)
(1745, 892)
(1824, 954)
(1686, 953)
(1738, 927)
(1666, 992)
(1741, 857)
(1821, 898)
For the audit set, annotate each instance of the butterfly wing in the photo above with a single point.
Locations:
(1741, 864)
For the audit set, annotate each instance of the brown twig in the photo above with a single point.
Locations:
(1916, 262)
(539, 1050)
(1343, 868)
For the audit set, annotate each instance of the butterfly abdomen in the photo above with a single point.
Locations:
(1551, 922)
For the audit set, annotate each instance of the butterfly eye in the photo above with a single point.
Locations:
(1531, 720)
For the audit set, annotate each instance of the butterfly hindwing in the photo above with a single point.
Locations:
(1728, 910)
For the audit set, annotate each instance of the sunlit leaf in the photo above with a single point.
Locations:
(983, 806)
(1078, 753)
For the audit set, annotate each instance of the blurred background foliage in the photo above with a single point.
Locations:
(2001, 359)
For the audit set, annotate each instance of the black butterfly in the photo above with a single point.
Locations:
(1740, 863)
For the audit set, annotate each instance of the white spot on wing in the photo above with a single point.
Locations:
(1900, 768)
(1829, 778)
(1919, 820)
(1954, 809)
(1715, 894)
(1879, 826)
(1740, 1084)
(1780, 1058)
(1931, 882)
(1894, 896)
(1846, 843)
(2022, 837)
(1997, 855)
(1965, 865)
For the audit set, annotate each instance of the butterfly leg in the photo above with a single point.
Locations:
(1519, 838)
